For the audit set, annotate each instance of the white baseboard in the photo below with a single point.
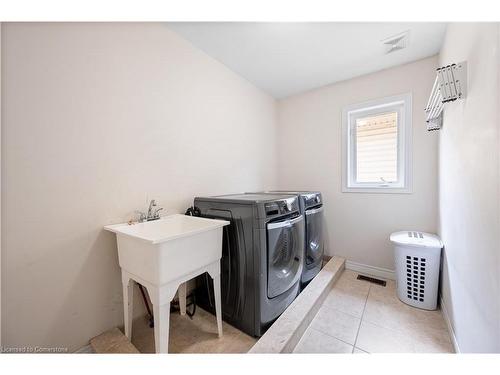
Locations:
(383, 273)
(447, 320)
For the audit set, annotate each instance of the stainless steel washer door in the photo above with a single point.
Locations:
(285, 249)
(314, 235)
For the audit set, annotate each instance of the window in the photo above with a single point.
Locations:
(376, 146)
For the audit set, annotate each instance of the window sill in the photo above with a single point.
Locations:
(377, 190)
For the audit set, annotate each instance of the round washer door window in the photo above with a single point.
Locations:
(285, 248)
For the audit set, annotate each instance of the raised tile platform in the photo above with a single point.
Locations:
(285, 333)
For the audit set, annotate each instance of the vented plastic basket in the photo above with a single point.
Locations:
(417, 258)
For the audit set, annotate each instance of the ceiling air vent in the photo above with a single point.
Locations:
(396, 42)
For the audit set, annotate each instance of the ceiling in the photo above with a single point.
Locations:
(284, 59)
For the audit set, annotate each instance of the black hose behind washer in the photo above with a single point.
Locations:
(192, 211)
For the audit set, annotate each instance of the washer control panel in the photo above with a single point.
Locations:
(282, 206)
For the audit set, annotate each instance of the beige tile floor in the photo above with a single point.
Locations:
(112, 341)
(358, 317)
(197, 335)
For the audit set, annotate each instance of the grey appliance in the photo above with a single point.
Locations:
(262, 257)
(311, 206)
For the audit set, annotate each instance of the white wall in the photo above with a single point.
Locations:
(469, 190)
(97, 118)
(309, 157)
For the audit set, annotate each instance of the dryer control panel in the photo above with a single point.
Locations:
(312, 200)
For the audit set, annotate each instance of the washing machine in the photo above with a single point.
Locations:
(262, 257)
(311, 206)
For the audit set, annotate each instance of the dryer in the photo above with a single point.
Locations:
(262, 257)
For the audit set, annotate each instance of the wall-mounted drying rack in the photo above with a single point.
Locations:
(450, 85)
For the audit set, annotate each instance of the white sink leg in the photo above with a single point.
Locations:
(182, 298)
(214, 272)
(162, 323)
(128, 304)
(218, 311)
(160, 298)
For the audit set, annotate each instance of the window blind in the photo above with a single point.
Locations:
(377, 148)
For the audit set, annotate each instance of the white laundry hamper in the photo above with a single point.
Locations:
(417, 258)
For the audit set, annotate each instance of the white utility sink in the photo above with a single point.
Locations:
(162, 255)
(167, 228)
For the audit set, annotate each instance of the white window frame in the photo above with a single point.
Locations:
(402, 104)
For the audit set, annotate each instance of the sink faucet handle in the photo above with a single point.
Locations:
(152, 214)
(156, 214)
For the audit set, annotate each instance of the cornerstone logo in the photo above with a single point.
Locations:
(32, 349)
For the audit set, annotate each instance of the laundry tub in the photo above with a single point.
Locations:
(417, 258)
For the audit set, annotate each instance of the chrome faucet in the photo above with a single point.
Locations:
(153, 214)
